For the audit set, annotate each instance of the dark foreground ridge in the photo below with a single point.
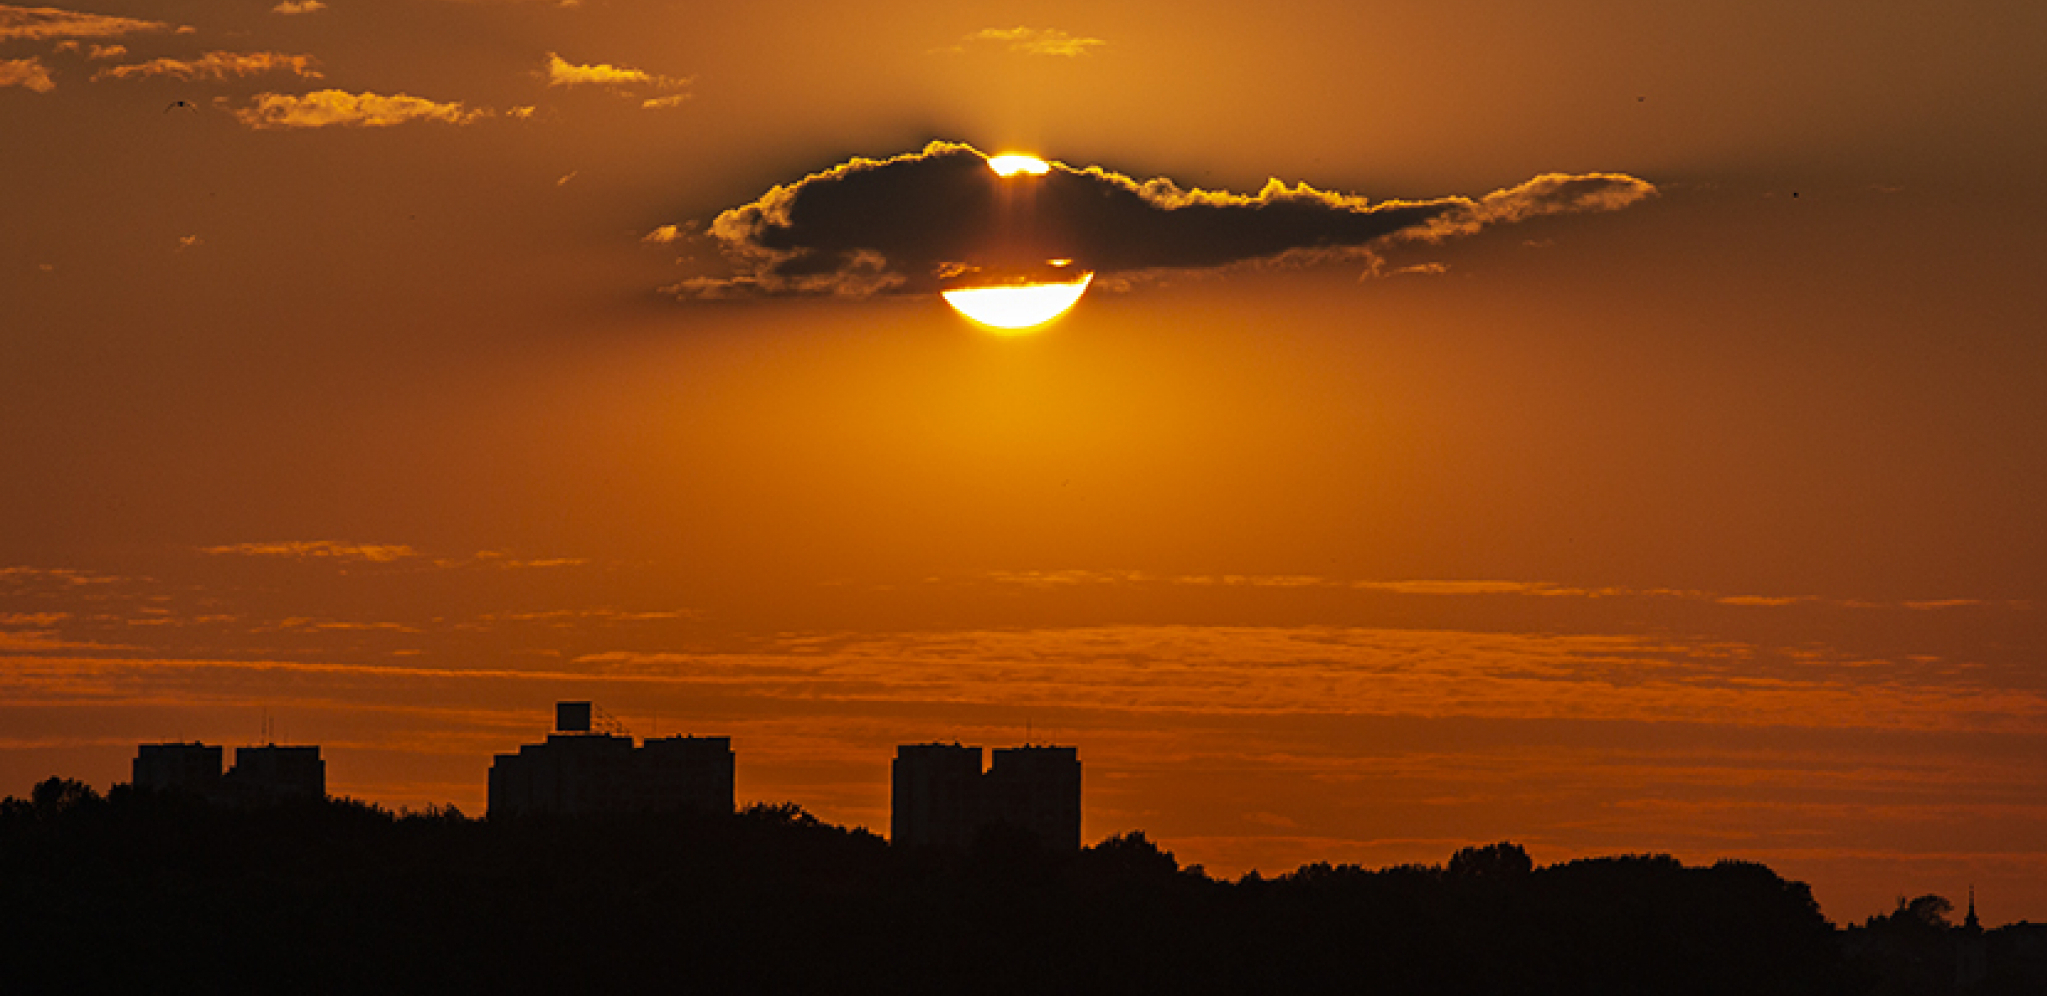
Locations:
(163, 892)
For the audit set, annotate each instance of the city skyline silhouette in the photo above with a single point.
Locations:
(1616, 429)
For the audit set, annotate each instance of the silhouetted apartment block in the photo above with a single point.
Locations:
(192, 767)
(1036, 789)
(271, 773)
(260, 776)
(581, 771)
(935, 800)
(942, 798)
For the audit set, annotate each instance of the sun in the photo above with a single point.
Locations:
(1016, 308)
(1012, 163)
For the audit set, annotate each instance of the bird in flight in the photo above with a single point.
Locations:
(175, 104)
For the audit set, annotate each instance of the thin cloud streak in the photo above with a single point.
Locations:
(216, 66)
(37, 23)
(1026, 41)
(1239, 671)
(318, 549)
(1478, 587)
(328, 108)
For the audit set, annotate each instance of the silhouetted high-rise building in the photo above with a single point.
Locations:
(936, 795)
(260, 776)
(685, 772)
(942, 798)
(583, 771)
(193, 767)
(271, 773)
(1036, 789)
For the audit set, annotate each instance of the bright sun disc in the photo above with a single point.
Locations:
(1012, 163)
(1020, 307)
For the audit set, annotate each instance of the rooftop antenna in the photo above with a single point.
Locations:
(609, 723)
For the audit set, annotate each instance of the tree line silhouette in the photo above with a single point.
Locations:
(166, 892)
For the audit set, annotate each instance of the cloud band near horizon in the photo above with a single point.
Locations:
(908, 223)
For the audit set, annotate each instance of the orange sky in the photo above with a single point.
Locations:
(1708, 525)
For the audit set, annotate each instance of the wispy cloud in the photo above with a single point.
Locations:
(217, 66)
(667, 233)
(92, 51)
(298, 7)
(53, 22)
(1027, 41)
(569, 617)
(71, 577)
(1184, 671)
(319, 549)
(626, 80)
(29, 72)
(561, 72)
(1467, 588)
(506, 561)
(327, 108)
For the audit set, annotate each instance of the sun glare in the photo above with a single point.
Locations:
(1019, 308)
(1012, 163)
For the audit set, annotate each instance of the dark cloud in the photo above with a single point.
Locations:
(913, 222)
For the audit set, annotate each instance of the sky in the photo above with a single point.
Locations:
(1614, 428)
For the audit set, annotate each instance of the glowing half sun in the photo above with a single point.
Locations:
(1012, 163)
(1016, 308)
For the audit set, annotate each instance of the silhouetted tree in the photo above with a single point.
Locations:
(1504, 860)
(1928, 911)
(783, 813)
(337, 896)
(1130, 855)
(53, 797)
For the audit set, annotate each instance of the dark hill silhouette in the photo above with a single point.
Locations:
(140, 890)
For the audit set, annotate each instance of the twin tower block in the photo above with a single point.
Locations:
(942, 798)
